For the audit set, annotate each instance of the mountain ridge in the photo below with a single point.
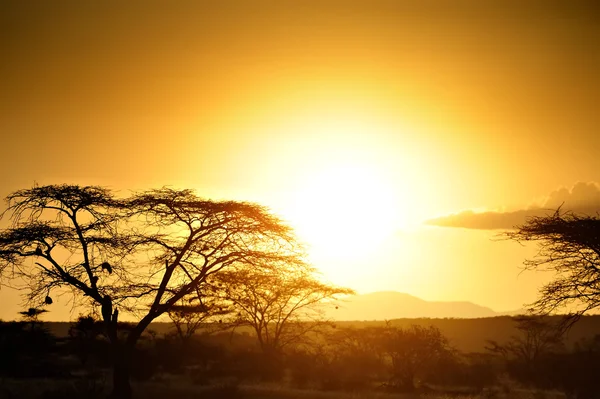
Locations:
(387, 305)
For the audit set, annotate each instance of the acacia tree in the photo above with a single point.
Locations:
(139, 254)
(195, 312)
(537, 337)
(413, 353)
(283, 304)
(569, 246)
(353, 357)
(402, 356)
(32, 315)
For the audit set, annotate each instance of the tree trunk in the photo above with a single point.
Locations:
(122, 350)
(121, 374)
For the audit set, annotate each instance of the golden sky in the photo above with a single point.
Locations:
(369, 125)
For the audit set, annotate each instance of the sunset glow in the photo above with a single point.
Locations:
(378, 130)
(310, 198)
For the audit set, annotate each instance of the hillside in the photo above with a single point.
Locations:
(388, 305)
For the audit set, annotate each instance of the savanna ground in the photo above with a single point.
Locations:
(183, 389)
(347, 362)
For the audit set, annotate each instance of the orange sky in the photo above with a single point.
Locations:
(392, 113)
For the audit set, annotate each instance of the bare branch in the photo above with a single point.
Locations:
(568, 246)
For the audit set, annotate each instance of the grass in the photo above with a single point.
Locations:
(181, 389)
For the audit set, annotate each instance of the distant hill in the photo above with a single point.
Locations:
(387, 305)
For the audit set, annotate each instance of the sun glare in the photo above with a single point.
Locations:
(344, 212)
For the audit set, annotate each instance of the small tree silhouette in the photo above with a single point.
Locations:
(283, 303)
(189, 315)
(413, 353)
(32, 315)
(84, 334)
(538, 337)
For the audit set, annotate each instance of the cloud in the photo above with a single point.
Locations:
(582, 198)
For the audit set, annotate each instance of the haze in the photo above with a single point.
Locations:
(398, 138)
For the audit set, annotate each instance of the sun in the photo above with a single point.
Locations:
(344, 212)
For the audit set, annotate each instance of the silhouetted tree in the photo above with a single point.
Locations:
(353, 358)
(190, 314)
(84, 334)
(527, 356)
(32, 315)
(569, 245)
(141, 254)
(404, 358)
(413, 354)
(538, 337)
(576, 372)
(282, 303)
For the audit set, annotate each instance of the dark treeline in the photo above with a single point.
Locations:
(391, 357)
(466, 335)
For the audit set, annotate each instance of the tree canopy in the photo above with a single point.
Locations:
(282, 305)
(568, 246)
(140, 254)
